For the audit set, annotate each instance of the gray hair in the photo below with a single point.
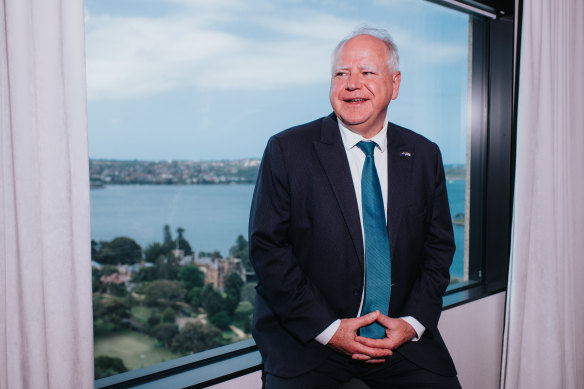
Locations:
(379, 33)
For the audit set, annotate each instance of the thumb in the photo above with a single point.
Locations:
(367, 319)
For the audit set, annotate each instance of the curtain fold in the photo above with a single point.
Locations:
(46, 334)
(543, 340)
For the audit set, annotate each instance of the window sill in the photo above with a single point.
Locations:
(465, 292)
(193, 371)
(228, 362)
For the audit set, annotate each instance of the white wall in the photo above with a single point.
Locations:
(473, 333)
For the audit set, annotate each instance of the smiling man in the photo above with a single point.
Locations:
(351, 239)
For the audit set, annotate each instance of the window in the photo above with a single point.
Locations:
(183, 96)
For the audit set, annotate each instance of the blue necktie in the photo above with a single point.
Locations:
(378, 265)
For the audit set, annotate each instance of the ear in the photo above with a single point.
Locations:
(396, 80)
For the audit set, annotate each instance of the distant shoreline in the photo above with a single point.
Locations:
(105, 172)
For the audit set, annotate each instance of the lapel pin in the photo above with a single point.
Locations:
(405, 154)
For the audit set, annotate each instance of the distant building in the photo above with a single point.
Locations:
(187, 260)
(216, 270)
(115, 278)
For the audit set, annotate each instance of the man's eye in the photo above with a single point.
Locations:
(340, 74)
(368, 73)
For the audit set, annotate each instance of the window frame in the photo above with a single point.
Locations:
(492, 160)
(492, 163)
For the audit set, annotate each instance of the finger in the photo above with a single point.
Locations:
(365, 320)
(386, 321)
(371, 351)
(376, 343)
(360, 357)
(376, 360)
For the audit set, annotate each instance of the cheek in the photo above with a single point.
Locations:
(372, 87)
(381, 92)
(334, 93)
(335, 87)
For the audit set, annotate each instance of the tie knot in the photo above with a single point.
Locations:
(367, 147)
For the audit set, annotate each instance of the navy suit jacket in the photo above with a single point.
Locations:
(306, 244)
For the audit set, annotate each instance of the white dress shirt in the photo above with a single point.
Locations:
(356, 159)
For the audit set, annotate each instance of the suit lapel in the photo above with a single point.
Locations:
(333, 159)
(400, 162)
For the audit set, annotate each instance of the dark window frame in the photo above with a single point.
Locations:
(492, 165)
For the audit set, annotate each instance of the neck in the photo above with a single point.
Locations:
(366, 132)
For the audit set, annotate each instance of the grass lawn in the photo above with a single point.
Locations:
(135, 349)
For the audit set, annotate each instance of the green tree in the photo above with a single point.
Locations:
(233, 285)
(154, 319)
(107, 366)
(95, 280)
(194, 296)
(191, 276)
(210, 254)
(153, 251)
(167, 267)
(241, 250)
(168, 315)
(146, 274)
(163, 293)
(221, 320)
(111, 311)
(196, 337)
(180, 231)
(167, 237)
(118, 290)
(165, 333)
(211, 300)
(243, 316)
(95, 285)
(120, 250)
(248, 293)
(183, 244)
(108, 270)
(94, 248)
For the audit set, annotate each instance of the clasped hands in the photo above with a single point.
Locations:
(346, 341)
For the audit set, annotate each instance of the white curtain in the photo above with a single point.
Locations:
(46, 338)
(544, 329)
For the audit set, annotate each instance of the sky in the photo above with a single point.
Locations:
(212, 80)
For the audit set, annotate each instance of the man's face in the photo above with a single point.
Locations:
(362, 85)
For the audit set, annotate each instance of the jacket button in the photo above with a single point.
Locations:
(355, 292)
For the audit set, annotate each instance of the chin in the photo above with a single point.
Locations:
(353, 120)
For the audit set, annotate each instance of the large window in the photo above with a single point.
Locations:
(183, 95)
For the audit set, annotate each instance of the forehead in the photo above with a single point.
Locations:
(362, 49)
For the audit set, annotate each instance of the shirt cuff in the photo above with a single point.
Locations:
(325, 336)
(419, 328)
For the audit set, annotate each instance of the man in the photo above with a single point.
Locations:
(328, 278)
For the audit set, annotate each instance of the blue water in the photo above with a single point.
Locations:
(212, 215)
(456, 199)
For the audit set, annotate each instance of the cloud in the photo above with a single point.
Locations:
(221, 44)
(132, 57)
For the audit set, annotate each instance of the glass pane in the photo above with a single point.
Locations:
(182, 97)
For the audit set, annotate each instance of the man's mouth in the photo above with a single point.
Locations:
(355, 100)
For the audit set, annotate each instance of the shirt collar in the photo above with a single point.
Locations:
(350, 138)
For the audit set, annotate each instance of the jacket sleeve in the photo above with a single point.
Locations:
(295, 302)
(425, 300)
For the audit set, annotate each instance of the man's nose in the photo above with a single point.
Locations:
(353, 82)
